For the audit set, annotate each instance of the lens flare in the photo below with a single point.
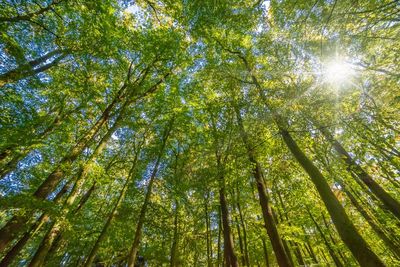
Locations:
(338, 73)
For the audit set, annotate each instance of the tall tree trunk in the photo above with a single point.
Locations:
(347, 231)
(55, 231)
(16, 152)
(86, 197)
(389, 202)
(113, 212)
(40, 255)
(219, 238)
(208, 232)
(285, 217)
(287, 250)
(174, 247)
(265, 253)
(334, 241)
(13, 252)
(229, 253)
(246, 251)
(242, 257)
(59, 241)
(56, 228)
(15, 224)
(31, 15)
(138, 233)
(336, 260)
(309, 247)
(395, 248)
(29, 69)
(272, 231)
(391, 244)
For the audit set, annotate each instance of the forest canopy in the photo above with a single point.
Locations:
(199, 133)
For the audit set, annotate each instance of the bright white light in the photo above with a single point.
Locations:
(133, 9)
(338, 73)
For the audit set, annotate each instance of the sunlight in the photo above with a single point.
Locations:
(338, 73)
(132, 9)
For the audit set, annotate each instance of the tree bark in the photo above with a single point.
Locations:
(136, 241)
(395, 248)
(347, 231)
(174, 247)
(246, 251)
(389, 202)
(309, 247)
(208, 230)
(272, 231)
(14, 225)
(219, 238)
(56, 228)
(336, 260)
(113, 212)
(334, 241)
(103, 233)
(242, 257)
(31, 15)
(13, 252)
(229, 254)
(24, 149)
(29, 69)
(265, 253)
(59, 241)
(297, 250)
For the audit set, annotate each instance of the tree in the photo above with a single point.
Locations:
(199, 133)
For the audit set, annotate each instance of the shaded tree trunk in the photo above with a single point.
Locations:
(395, 248)
(138, 233)
(389, 202)
(246, 251)
(345, 228)
(208, 230)
(32, 67)
(297, 250)
(31, 15)
(55, 232)
(16, 152)
(336, 260)
(229, 254)
(59, 241)
(334, 241)
(265, 253)
(272, 231)
(309, 247)
(15, 224)
(219, 238)
(113, 212)
(242, 257)
(56, 228)
(13, 252)
(347, 231)
(174, 248)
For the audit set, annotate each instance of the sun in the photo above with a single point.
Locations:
(338, 73)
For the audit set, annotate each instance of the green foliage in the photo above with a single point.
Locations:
(90, 88)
